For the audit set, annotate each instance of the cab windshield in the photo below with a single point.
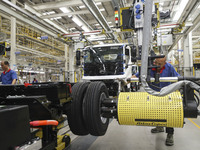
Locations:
(103, 54)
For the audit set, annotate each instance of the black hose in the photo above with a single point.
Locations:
(130, 20)
(195, 82)
(197, 99)
(155, 86)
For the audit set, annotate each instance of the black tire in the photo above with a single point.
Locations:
(136, 87)
(75, 115)
(95, 124)
(67, 140)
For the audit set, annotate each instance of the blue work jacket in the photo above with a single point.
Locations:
(167, 71)
(8, 77)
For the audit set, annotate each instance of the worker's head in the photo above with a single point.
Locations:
(34, 79)
(5, 65)
(160, 62)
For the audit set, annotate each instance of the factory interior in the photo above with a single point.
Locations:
(99, 74)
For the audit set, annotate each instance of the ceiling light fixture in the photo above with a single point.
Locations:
(55, 18)
(161, 4)
(51, 12)
(48, 13)
(77, 21)
(82, 6)
(55, 25)
(98, 3)
(102, 9)
(65, 10)
(86, 29)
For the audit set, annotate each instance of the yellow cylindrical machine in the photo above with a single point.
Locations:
(143, 109)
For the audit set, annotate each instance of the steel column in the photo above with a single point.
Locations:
(71, 63)
(188, 55)
(66, 62)
(146, 36)
(13, 41)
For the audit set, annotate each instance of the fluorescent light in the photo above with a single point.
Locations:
(51, 12)
(165, 30)
(55, 25)
(96, 24)
(83, 6)
(97, 38)
(109, 22)
(86, 29)
(55, 18)
(102, 9)
(98, 3)
(178, 13)
(161, 4)
(66, 10)
(92, 35)
(58, 18)
(77, 21)
(48, 13)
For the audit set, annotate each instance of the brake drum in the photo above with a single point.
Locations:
(143, 109)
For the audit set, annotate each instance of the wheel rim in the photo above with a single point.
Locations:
(102, 97)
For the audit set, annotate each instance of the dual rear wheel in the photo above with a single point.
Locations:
(85, 116)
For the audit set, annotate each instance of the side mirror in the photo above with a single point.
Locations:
(133, 54)
(126, 51)
(2, 49)
(78, 58)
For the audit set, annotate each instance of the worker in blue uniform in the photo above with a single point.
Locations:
(35, 81)
(165, 70)
(8, 76)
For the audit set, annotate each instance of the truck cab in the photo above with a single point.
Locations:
(110, 63)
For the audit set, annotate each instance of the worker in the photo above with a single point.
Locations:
(165, 70)
(8, 76)
(35, 81)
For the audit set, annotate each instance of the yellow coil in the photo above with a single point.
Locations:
(141, 108)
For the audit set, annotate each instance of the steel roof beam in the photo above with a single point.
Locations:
(36, 52)
(66, 14)
(27, 18)
(94, 10)
(93, 21)
(196, 23)
(188, 9)
(54, 5)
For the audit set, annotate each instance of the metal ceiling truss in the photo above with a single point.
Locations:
(54, 5)
(90, 4)
(183, 18)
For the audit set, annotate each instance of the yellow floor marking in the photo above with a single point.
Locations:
(194, 123)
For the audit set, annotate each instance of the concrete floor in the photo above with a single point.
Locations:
(140, 138)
